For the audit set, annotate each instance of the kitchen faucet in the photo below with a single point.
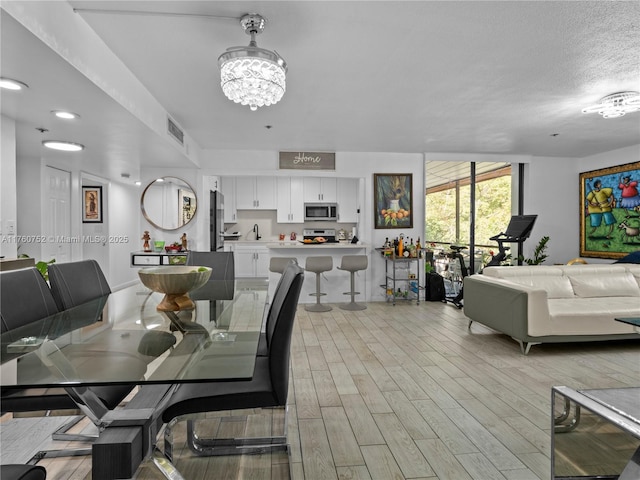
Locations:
(255, 229)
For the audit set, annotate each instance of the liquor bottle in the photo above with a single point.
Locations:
(400, 247)
(387, 247)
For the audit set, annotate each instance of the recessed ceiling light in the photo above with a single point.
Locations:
(159, 179)
(138, 183)
(61, 145)
(11, 84)
(65, 115)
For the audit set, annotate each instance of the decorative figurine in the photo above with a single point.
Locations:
(184, 242)
(146, 237)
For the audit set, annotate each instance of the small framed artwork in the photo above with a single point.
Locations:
(393, 200)
(91, 204)
(610, 211)
(187, 203)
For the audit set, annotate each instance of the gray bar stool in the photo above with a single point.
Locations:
(278, 264)
(318, 265)
(353, 263)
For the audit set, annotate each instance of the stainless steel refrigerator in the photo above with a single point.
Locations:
(216, 220)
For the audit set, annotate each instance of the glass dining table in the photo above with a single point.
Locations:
(123, 339)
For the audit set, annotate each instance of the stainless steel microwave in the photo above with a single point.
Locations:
(320, 212)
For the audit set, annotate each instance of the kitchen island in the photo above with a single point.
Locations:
(335, 282)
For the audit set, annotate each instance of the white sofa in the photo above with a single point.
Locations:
(566, 303)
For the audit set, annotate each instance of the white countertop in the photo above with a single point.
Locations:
(306, 246)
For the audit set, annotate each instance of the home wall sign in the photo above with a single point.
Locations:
(307, 161)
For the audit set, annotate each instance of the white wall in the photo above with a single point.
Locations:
(551, 192)
(28, 173)
(124, 232)
(8, 199)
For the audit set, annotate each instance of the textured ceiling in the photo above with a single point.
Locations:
(417, 76)
(395, 76)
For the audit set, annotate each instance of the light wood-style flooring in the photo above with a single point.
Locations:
(408, 392)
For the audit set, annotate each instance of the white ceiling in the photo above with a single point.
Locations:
(375, 76)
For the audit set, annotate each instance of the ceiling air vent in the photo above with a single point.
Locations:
(175, 131)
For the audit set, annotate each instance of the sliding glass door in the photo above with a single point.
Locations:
(449, 204)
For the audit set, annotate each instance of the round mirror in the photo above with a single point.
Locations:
(168, 203)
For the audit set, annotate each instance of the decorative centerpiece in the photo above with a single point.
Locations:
(175, 282)
(175, 247)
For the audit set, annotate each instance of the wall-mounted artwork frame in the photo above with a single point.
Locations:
(393, 200)
(91, 204)
(187, 204)
(610, 211)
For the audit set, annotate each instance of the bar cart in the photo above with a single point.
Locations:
(402, 277)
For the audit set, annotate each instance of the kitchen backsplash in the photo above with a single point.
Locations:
(269, 228)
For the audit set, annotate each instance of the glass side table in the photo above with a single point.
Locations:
(595, 433)
(635, 321)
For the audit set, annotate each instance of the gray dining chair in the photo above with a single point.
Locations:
(268, 388)
(222, 263)
(18, 471)
(284, 283)
(75, 283)
(26, 298)
(220, 285)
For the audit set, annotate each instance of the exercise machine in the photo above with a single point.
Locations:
(455, 276)
(518, 230)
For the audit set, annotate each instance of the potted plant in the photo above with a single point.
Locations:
(539, 255)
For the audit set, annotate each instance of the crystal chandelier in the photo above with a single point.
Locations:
(252, 75)
(616, 104)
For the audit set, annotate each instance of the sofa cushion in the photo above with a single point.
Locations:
(605, 285)
(555, 286)
(592, 269)
(634, 270)
(590, 316)
(521, 271)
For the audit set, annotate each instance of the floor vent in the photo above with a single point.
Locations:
(175, 131)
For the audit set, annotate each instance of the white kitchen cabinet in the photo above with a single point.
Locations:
(251, 261)
(347, 199)
(228, 189)
(256, 193)
(320, 189)
(289, 195)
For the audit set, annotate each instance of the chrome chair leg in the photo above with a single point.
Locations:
(224, 446)
(233, 446)
(62, 433)
(165, 466)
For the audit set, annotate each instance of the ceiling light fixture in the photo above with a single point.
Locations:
(252, 75)
(11, 84)
(616, 105)
(65, 114)
(62, 145)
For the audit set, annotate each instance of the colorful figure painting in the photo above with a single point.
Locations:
(610, 211)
